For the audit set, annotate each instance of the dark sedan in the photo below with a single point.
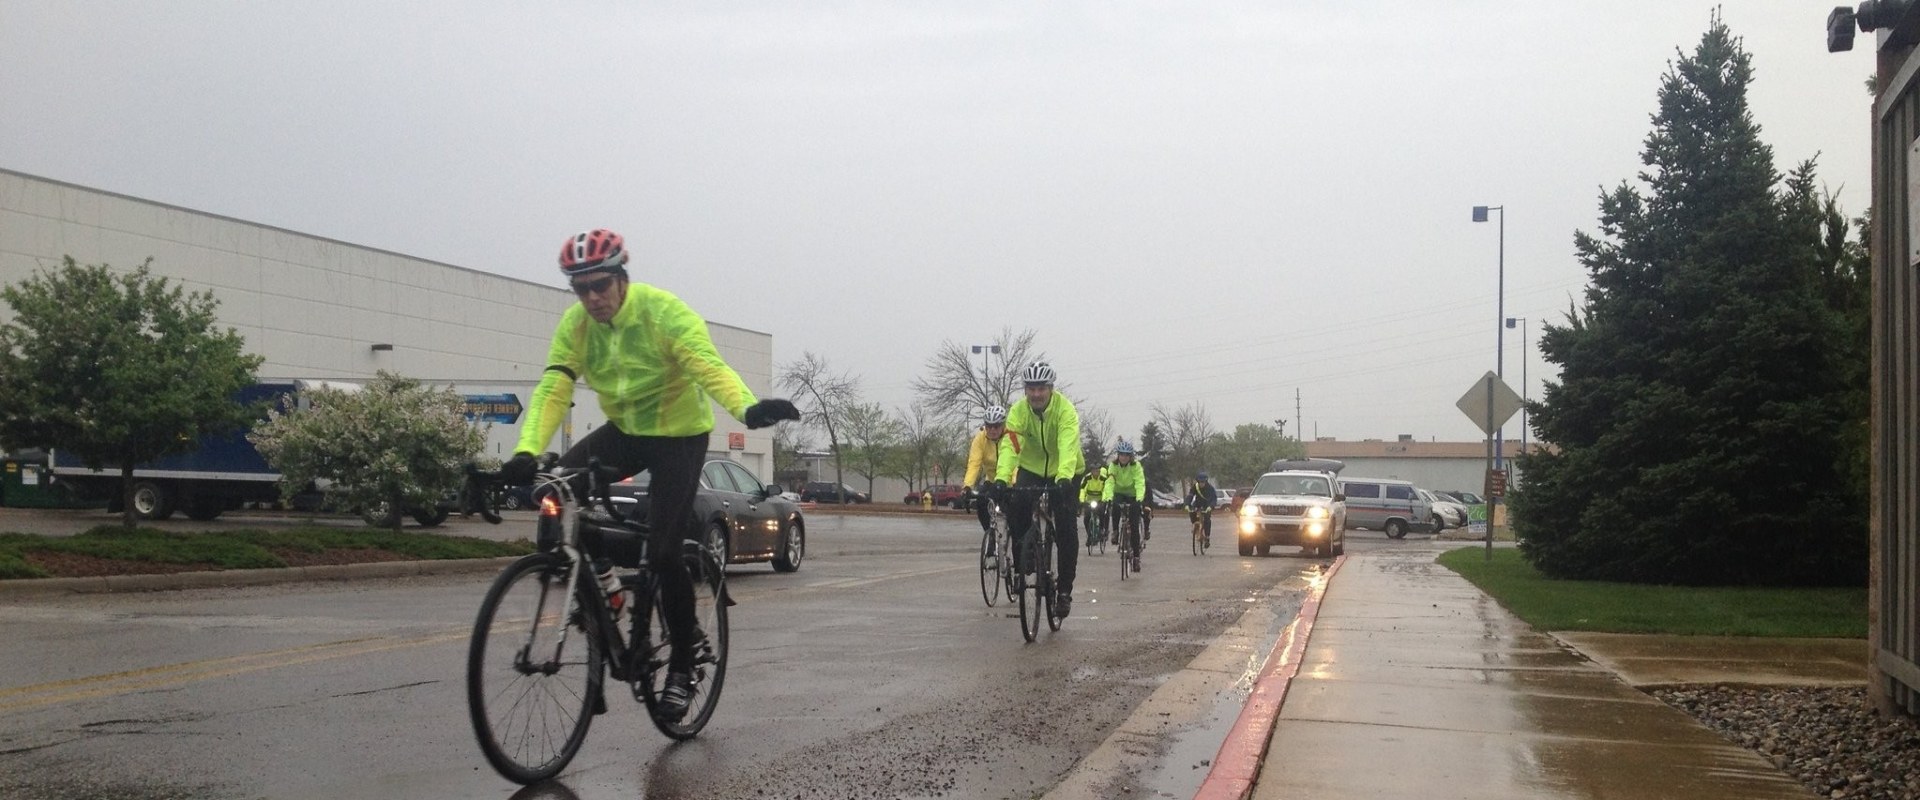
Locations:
(756, 523)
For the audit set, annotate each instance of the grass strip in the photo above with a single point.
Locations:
(1564, 605)
(239, 549)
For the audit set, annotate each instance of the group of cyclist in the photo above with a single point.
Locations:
(1035, 443)
(654, 366)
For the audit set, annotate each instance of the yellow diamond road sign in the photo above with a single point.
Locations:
(1474, 403)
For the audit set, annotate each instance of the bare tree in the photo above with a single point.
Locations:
(826, 396)
(960, 386)
(789, 441)
(872, 437)
(1186, 430)
(1096, 432)
(921, 432)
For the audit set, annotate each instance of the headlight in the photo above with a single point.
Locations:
(1317, 512)
(1249, 510)
(1316, 528)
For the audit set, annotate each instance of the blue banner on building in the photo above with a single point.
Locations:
(501, 408)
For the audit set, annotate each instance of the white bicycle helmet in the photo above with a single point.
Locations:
(995, 416)
(1038, 372)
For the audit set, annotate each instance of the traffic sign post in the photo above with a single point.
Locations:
(1490, 402)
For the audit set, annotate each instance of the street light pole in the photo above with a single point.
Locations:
(1500, 316)
(1526, 351)
(986, 373)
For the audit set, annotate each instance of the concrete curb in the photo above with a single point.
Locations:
(1237, 764)
(32, 587)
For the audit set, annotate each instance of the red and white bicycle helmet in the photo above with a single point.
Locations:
(597, 250)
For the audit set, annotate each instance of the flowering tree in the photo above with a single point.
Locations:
(395, 445)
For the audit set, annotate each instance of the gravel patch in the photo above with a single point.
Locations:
(1829, 739)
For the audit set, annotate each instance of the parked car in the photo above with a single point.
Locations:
(944, 494)
(753, 521)
(1466, 498)
(1385, 504)
(1447, 512)
(1165, 499)
(830, 492)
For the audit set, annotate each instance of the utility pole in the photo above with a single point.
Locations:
(1297, 432)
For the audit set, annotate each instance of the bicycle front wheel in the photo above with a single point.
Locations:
(534, 670)
(989, 572)
(710, 653)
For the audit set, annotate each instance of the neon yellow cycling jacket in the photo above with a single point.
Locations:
(1127, 482)
(1050, 441)
(653, 366)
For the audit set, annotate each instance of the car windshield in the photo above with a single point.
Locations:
(1293, 484)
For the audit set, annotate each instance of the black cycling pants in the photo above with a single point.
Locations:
(982, 507)
(674, 463)
(1066, 537)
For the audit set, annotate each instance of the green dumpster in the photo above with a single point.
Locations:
(30, 484)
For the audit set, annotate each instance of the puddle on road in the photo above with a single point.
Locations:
(1186, 755)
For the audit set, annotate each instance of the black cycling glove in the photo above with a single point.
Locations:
(767, 412)
(519, 470)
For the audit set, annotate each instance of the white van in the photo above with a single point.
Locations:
(1385, 504)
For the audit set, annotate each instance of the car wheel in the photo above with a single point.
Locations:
(793, 548)
(1246, 548)
(511, 502)
(720, 542)
(152, 501)
(1396, 529)
(380, 515)
(1263, 549)
(430, 517)
(1439, 524)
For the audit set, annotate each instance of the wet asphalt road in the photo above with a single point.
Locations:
(875, 671)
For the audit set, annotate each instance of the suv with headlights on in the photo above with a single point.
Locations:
(1297, 504)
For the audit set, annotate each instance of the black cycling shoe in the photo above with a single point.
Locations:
(677, 697)
(1061, 604)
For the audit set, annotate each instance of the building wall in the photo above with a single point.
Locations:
(1893, 595)
(1443, 466)
(314, 307)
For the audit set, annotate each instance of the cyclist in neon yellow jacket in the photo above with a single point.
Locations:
(1127, 486)
(983, 456)
(651, 361)
(1049, 455)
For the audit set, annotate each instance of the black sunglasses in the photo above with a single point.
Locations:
(585, 288)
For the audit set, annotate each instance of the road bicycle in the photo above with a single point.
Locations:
(1129, 539)
(1096, 528)
(1034, 588)
(549, 631)
(1200, 537)
(997, 574)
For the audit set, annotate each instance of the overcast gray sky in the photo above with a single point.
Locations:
(1216, 202)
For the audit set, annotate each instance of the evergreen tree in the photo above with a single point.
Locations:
(1702, 405)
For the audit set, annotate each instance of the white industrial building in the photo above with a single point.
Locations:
(315, 308)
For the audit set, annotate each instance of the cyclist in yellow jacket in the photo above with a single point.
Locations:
(1127, 487)
(654, 366)
(1093, 510)
(1049, 456)
(982, 459)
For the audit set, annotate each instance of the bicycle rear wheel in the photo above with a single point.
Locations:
(989, 574)
(710, 654)
(533, 670)
(1126, 558)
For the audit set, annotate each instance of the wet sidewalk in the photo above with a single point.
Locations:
(1415, 684)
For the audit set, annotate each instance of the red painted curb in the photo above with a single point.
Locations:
(1237, 764)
